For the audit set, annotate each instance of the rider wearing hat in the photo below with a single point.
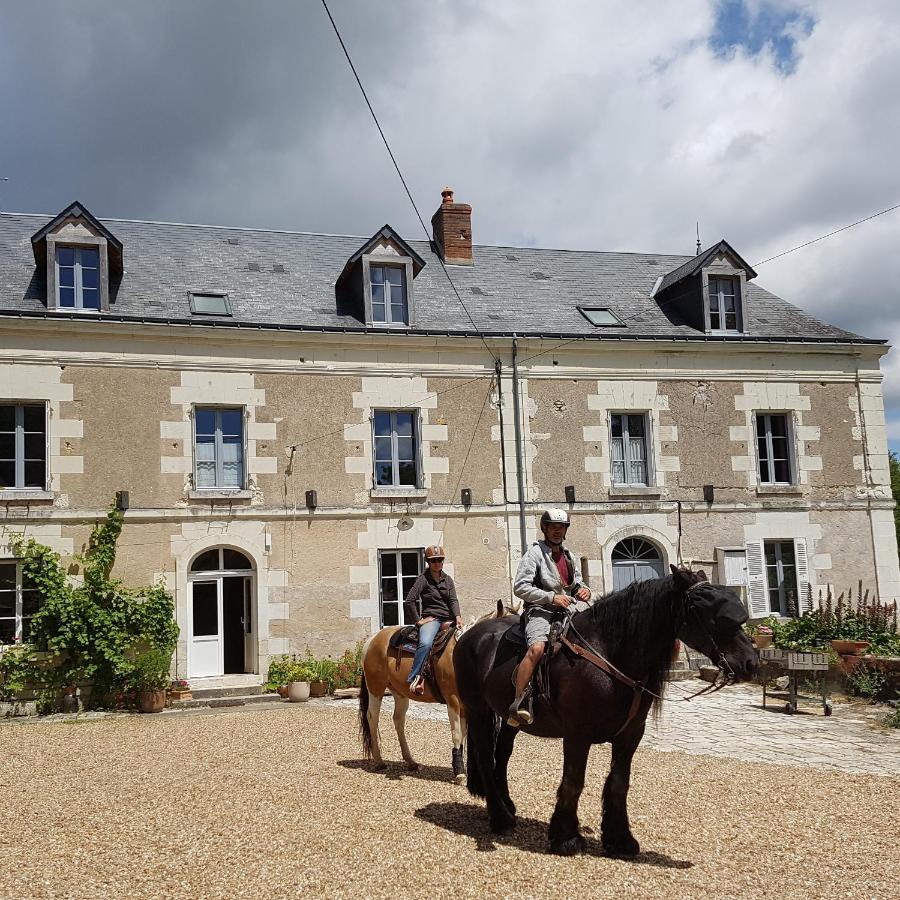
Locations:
(431, 601)
(547, 581)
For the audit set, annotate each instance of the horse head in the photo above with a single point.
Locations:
(711, 623)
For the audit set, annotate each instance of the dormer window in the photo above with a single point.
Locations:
(78, 277)
(82, 260)
(724, 303)
(389, 295)
(376, 284)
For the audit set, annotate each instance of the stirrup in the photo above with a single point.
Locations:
(519, 712)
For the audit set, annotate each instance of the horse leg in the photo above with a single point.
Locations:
(401, 705)
(615, 829)
(458, 733)
(503, 751)
(565, 838)
(372, 716)
(482, 746)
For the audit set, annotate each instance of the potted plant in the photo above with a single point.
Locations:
(764, 637)
(849, 648)
(180, 689)
(151, 678)
(299, 677)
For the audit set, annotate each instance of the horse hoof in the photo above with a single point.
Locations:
(503, 826)
(459, 779)
(623, 847)
(570, 847)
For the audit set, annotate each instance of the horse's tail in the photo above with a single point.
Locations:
(474, 784)
(491, 725)
(365, 733)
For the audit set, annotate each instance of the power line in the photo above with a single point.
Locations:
(400, 175)
(830, 234)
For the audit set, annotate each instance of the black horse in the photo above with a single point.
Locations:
(635, 629)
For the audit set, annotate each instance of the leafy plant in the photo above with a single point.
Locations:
(892, 720)
(97, 631)
(16, 665)
(866, 681)
(151, 670)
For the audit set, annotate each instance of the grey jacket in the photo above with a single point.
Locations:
(538, 580)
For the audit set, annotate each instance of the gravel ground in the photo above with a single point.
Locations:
(276, 803)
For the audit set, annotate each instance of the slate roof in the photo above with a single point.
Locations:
(509, 290)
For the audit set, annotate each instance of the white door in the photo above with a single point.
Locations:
(249, 628)
(205, 655)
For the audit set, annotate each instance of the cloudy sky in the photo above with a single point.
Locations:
(582, 123)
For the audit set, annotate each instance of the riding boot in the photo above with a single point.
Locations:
(520, 711)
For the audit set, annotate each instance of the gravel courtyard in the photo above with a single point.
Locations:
(274, 802)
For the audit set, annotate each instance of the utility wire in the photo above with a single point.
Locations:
(830, 234)
(400, 175)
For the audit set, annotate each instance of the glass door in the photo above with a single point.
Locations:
(205, 614)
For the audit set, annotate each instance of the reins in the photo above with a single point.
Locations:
(589, 653)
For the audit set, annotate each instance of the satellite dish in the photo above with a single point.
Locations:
(405, 523)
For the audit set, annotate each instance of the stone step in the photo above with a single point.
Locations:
(220, 692)
(229, 700)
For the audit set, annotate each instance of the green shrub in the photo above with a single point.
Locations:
(892, 720)
(866, 681)
(16, 670)
(151, 670)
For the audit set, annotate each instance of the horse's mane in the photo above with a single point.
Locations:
(638, 628)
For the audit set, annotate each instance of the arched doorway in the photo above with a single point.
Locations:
(635, 559)
(221, 615)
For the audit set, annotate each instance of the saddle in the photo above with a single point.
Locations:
(406, 641)
(514, 639)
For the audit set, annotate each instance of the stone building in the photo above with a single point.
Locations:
(294, 417)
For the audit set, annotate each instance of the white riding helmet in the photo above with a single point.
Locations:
(554, 516)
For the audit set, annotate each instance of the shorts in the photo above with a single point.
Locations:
(537, 622)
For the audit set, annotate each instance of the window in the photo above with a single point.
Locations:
(395, 449)
(23, 447)
(19, 601)
(219, 447)
(210, 304)
(78, 277)
(399, 569)
(628, 443)
(773, 448)
(781, 577)
(599, 316)
(389, 295)
(723, 304)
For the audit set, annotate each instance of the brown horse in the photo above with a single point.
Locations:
(385, 671)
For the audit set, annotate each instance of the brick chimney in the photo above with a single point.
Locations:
(451, 227)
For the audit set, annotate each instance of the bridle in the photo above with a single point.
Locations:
(585, 651)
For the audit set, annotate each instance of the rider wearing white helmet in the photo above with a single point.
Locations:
(547, 581)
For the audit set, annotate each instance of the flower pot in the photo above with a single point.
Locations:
(282, 690)
(763, 641)
(298, 691)
(849, 648)
(152, 701)
(318, 689)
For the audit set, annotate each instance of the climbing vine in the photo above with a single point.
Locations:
(98, 632)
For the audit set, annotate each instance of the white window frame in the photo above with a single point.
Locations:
(401, 594)
(19, 450)
(388, 288)
(395, 462)
(77, 278)
(720, 308)
(218, 445)
(17, 617)
(626, 443)
(770, 459)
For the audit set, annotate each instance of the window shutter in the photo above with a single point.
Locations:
(756, 580)
(801, 558)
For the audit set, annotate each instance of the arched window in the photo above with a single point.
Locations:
(635, 559)
(222, 559)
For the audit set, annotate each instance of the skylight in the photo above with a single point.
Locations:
(599, 316)
(210, 304)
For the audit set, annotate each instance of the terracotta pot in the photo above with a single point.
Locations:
(763, 641)
(849, 648)
(282, 690)
(317, 689)
(298, 691)
(152, 701)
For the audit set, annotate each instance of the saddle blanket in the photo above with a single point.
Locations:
(406, 640)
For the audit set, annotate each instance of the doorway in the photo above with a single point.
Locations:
(635, 559)
(221, 615)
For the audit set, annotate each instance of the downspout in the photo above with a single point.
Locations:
(869, 480)
(498, 368)
(520, 465)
